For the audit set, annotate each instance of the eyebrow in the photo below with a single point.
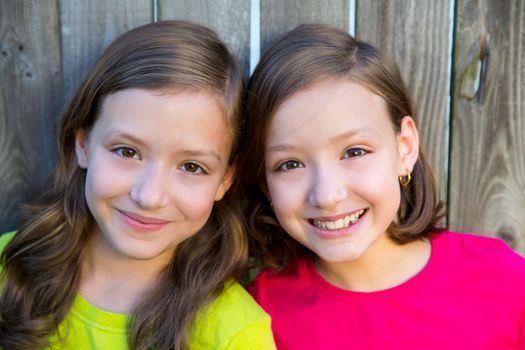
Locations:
(281, 147)
(196, 153)
(185, 152)
(354, 133)
(124, 135)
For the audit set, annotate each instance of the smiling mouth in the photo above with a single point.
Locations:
(142, 219)
(338, 224)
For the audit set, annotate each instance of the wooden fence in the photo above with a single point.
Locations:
(464, 61)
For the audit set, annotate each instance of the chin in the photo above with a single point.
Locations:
(338, 256)
(139, 253)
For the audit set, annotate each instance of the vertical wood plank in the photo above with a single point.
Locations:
(416, 35)
(30, 98)
(229, 18)
(487, 178)
(278, 17)
(88, 27)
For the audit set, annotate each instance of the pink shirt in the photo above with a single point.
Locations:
(471, 295)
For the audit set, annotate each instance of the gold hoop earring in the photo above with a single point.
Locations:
(405, 180)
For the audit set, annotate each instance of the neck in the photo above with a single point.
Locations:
(113, 282)
(384, 265)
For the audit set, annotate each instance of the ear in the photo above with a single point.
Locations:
(81, 148)
(226, 183)
(408, 145)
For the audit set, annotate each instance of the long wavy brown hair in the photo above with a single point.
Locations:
(307, 55)
(42, 262)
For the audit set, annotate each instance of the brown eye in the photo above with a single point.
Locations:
(355, 152)
(127, 152)
(289, 165)
(192, 168)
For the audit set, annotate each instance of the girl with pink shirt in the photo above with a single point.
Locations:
(344, 212)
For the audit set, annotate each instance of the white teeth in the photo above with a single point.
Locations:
(340, 223)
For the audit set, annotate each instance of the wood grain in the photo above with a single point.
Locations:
(278, 17)
(30, 98)
(88, 27)
(229, 18)
(47, 45)
(416, 35)
(487, 177)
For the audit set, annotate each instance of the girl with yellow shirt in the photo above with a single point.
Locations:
(138, 242)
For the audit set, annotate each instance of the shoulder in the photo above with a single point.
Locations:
(271, 289)
(490, 253)
(474, 244)
(490, 270)
(272, 279)
(5, 238)
(236, 301)
(295, 271)
(230, 320)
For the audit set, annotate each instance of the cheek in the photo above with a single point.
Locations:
(382, 192)
(103, 181)
(380, 175)
(197, 209)
(379, 183)
(287, 198)
(196, 202)
(101, 193)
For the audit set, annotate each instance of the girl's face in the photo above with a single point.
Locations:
(156, 162)
(332, 163)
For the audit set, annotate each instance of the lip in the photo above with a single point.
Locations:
(335, 217)
(337, 233)
(141, 223)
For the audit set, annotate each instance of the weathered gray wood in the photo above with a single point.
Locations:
(88, 27)
(30, 97)
(278, 16)
(487, 178)
(416, 35)
(42, 59)
(229, 18)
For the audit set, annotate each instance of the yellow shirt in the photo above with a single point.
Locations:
(232, 321)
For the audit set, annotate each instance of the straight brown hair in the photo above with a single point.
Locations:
(307, 55)
(42, 262)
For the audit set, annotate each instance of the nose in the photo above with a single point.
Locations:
(327, 188)
(149, 189)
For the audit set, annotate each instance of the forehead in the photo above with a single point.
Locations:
(137, 96)
(170, 118)
(129, 104)
(329, 107)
